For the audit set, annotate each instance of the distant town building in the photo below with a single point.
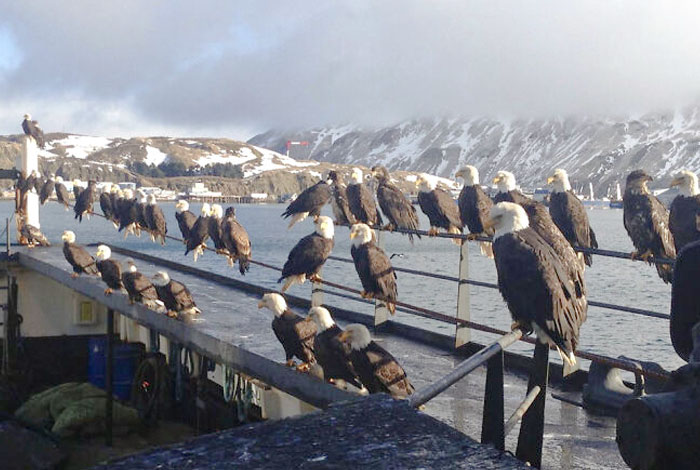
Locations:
(127, 185)
(199, 190)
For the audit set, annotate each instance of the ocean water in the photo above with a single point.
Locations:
(608, 280)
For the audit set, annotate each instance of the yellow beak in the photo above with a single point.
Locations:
(261, 304)
(353, 235)
(496, 179)
(676, 182)
(550, 180)
(489, 223)
(343, 337)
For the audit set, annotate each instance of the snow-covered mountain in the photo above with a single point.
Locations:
(69, 151)
(599, 151)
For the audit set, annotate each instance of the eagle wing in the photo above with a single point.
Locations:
(340, 198)
(448, 207)
(311, 200)
(375, 271)
(307, 255)
(475, 208)
(111, 272)
(62, 194)
(79, 258)
(685, 303)
(396, 207)
(388, 372)
(46, 191)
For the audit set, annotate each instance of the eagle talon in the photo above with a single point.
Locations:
(171, 313)
(472, 236)
(74, 275)
(289, 363)
(303, 367)
(315, 278)
(432, 231)
(390, 227)
(108, 291)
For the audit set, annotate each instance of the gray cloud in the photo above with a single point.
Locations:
(214, 68)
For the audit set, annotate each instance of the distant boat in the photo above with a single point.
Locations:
(616, 203)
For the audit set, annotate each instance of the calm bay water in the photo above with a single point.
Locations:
(609, 280)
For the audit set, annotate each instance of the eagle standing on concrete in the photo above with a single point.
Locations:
(569, 215)
(331, 354)
(77, 256)
(309, 202)
(361, 201)
(684, 218)
(294, 332)
(646, 222)
(175, 295)
(377, 369)
(373, 267)
(475, 207)
(83, 205)
(236, 241)
(396, 207)
(110, 269)
(33, 235)
(31, 128)
(140, 288)
(308, 255)
(541, 294)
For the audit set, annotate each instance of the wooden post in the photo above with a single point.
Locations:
(492, 430)
(532, 428)
(463, 333)
(29, 163)
(381, 313)
(109, 369)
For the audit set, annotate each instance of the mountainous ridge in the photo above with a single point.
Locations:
(600, 151)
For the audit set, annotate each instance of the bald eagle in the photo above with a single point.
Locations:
(185, 218)
(140, 288)
(438, 205)
(236, 241)
(377, 369)
(361, 201)
(77, 189)
(396, 207)
(33, 236)
(106, 204)
(646, 222)
(31, 128)
(309, 202)
(47, 189)
(507, 189)
(196, 242)
(330, 352)
(77, 256)
(215, 215)
(684, 218)
(83, 205)
(540, 293)
(155, 219)
(474, 207)
(110, 269)
(141, 204)
(62, 194)
(685, 304)
(175, 295)
(568, 213)
(308, 255)
(373, 267)
(339, 200)
(294, 332)
(127, 208)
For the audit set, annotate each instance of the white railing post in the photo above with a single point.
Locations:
(30, 162)
(381, 313)
(463, 333)
(317, 293)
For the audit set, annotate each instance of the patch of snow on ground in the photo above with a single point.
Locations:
(213, 158)
(154, 156)
(80, 146)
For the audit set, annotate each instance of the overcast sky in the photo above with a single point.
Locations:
(223, 68)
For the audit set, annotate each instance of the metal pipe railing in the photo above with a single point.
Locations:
(424, 395)
(413, 309)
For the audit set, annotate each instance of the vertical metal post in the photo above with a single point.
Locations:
(492, 430)
(381, 313)
(7, 236)
(109, 377)
(532, 427)
(463, 333)
(29, 163)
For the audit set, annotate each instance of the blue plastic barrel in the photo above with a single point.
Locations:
(125, 362)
